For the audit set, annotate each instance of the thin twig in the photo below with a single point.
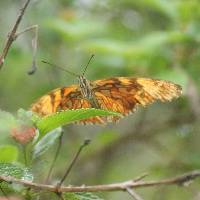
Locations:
(34, 45)
(56, 156)
(11, 36)
(133, 194)
(30, 28)
(139, 178)
(86, 142)
(178, 180)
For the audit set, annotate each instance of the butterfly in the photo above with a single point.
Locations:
(119, 94)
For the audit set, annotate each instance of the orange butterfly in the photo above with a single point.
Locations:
(119, 94)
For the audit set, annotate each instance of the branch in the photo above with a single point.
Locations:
(12, 35)
(86, 142)
(178, 180)
(34, 45)
(55, 157)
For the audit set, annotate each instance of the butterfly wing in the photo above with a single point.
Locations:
(120, 94)
(63, 99)
(125, 94)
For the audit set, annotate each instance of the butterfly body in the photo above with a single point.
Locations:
(119, 94)
(86, 88)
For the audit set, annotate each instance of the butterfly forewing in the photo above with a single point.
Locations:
(137, 91)
(116, 94)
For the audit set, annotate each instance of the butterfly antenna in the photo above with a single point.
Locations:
(65, 70)
(92, 56)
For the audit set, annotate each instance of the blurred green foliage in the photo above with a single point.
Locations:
(9, 153)
(151, 38)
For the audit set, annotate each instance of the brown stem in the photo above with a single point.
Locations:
(86, 142)
(12, 36)
(34, 45)
(178, 180)
(55, 158)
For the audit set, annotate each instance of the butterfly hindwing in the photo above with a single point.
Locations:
(53, 101)
(63, 99)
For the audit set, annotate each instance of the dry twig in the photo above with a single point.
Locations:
(132, 192)
(13, 34)
(55, 157)
(178, 180)
(86, 142)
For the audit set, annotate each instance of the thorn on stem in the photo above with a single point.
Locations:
(139, 178)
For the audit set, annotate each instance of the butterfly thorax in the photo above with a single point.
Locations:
(87, 91)
(85, 87)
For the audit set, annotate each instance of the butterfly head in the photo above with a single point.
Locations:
(84, 84)
(85, 87)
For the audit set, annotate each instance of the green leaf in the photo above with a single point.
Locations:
(46, 142)
(9, 153)
(55, 120)
(8, 169)
(11, 170)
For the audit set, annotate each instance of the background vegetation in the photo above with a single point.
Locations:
(146, 38)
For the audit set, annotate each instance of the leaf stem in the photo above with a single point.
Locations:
(86, 142)
(55, 157)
